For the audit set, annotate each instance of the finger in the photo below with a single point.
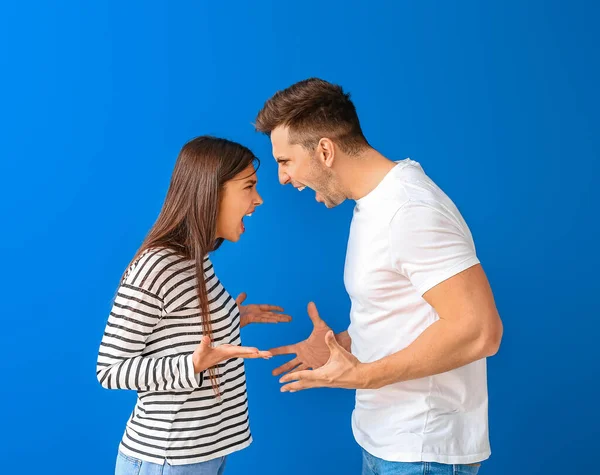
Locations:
(252, 357)
(246, 350)
(313, 313)
(332, 342)
(303, 383)
(299, 386)
(300, 367)
(260, 354)
(270, 308)
(271, 318)
(286, 367)
(240, 298)
(263, 320)
(305, 375)
(204, 342)
(279, 317)
(283, 350)
(237, 350)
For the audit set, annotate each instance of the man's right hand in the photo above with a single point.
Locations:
(311, 353)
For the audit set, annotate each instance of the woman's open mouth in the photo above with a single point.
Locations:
(242, 222)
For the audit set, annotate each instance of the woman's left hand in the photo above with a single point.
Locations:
(259, 313)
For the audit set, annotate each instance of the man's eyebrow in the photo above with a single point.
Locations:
(281, 159)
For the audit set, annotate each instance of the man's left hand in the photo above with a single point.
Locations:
(342, 370)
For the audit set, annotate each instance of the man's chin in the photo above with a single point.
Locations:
(332, 204)
(327, 201)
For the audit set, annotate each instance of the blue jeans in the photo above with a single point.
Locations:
(376, 466)
(127, 465)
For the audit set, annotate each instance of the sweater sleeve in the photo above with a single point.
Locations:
(135, 312)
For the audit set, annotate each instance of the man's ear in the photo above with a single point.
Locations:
(326, 151)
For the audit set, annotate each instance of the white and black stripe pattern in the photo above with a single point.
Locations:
(151, 333)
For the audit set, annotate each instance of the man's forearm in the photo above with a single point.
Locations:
(443, 346)
(344, 340)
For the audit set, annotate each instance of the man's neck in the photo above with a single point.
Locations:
(361, 174)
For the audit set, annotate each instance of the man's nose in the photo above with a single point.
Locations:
(284, 179)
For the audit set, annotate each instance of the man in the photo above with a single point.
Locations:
(423, 317)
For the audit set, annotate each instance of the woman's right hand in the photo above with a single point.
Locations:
(205, 356)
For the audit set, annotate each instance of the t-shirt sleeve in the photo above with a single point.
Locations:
(429, 245)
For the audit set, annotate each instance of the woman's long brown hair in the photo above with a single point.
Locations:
(187, 222)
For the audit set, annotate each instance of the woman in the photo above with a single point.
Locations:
(177, 342)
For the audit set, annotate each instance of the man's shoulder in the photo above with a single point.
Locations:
(419, 188)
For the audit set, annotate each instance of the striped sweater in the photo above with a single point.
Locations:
(151, 333)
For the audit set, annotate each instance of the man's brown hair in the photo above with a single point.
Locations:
(313, 109)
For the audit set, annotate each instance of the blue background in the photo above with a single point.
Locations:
(499, 102)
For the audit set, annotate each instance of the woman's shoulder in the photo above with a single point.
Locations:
(152, 270)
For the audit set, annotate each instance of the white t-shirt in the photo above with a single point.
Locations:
(406, 237)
